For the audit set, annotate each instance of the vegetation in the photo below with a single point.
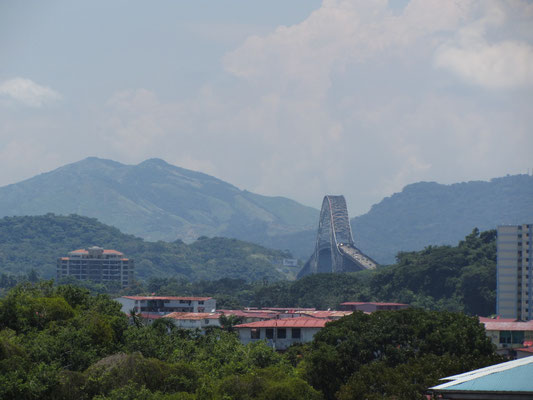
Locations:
(460, 278)
(60, 342)
(156, 201)
(428, 213)
(36, 242)
(238, 274)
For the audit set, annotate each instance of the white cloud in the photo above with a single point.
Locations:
(27, 92)
(477, 56)
(500, 65)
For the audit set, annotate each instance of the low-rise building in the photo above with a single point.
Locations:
(507, 334)
(370, 307)
(505, 381)
(167, 304)
(195, 320)
(280, 334)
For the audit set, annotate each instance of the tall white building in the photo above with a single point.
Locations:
(98, 265)
(514, 295)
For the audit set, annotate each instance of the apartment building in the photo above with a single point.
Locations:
(98, 265)
(514, 272)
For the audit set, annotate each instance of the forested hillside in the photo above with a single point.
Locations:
(28, 243)
(156, 201)
(453, 278)
(428, 213)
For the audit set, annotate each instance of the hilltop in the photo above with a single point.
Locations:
(36, 242)
(429, 213)
(156, 201)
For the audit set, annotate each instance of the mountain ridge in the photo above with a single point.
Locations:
(155, 200)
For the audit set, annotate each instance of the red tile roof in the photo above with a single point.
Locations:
(298, 322)
(248, 314)
(192, 316)
(106, 251)
(506, 325)
(327, 314)
(360, 303)
(289, 309)
(166, 298)
(498, 319)
(526, 349)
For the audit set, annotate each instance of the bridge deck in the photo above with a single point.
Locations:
(357, 256)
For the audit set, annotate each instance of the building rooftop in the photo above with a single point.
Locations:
(506, 324)
(105, 251)
(512, 376)
(360, 303)
(192, 316)
(326, 314)
(166, 298)
(250, 314)
(298, 322)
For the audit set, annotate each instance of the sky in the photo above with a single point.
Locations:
(297, 98)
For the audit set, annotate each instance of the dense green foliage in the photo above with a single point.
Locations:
(428, 213)
(156, 201)
(394, 355)
(460, 278)
(60, 342)
(36, 243)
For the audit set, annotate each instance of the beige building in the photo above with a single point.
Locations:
(514, 272)
(97, 265)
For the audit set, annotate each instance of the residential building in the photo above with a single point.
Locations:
(506, 381)
(508, 334)
(167, 304)
(370, 307)
(514, 272)
(97, 265)
(194, 320)
(280, 334)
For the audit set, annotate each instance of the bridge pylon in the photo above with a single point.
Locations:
(335, 249)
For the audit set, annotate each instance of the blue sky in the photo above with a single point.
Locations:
(292, 98)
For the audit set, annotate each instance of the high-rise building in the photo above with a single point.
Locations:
(514, 295)
(97, 265)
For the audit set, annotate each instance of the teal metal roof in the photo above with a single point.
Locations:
(512, 376)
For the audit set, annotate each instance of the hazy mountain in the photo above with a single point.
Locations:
(156, 201)
(428, 213)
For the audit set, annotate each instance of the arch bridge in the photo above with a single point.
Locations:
(335, 249)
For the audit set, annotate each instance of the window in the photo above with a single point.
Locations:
(282, 333)
(296, 333)
(255, 333)
(269, 333)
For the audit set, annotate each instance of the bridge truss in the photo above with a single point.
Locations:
(335, 249)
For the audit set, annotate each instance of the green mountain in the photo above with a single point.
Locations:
(428, 213)
(156, 201)
(35, 242)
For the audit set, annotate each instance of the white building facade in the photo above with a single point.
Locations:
(166, 304)
(514, 297)
(280, 334)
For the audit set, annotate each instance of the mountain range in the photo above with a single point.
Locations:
(158, 201)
